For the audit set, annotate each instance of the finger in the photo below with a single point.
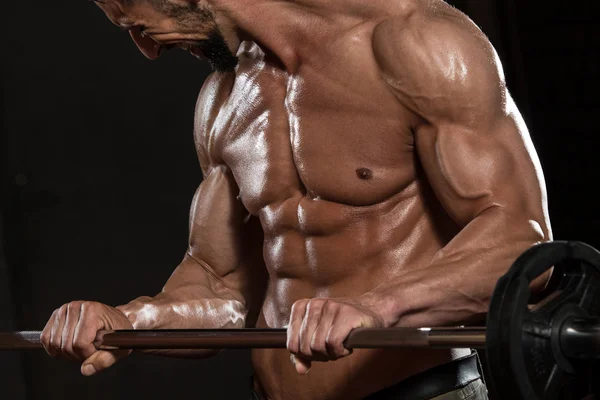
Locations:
(84, 335)
(293, 331)
(314, 310)
(340, 329)
(57, 329)
(301, 364)
(319, 339)
(71, 321)
(47, 335)
(101, 360)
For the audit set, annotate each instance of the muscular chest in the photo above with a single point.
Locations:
(333, 133)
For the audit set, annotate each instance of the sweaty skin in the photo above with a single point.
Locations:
(364, 166)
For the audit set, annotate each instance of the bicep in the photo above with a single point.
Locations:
(217, 221)
(225, 245)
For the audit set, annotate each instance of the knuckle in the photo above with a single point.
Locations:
(304, 343)
(329, 341)
(90, 307)
(333, 342)
(302, 337)
(55, 342)
(297, 305)
(89, 312)
(314, 307)
(79, 343)
(292, 340)
(345, 307)
(310, 306)
(318, 345)
(65, 344)
(60, 313)
(306, 319)
(299, 309)
(294, 311)
(305, 347)
(331, 306)
(85, 321)
(65, 347)
(339, 349)
(293, 348)
(305, 352)
(51, 320)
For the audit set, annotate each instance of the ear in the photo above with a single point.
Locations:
(147, 46)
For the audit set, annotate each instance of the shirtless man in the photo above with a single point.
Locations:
(364, 166)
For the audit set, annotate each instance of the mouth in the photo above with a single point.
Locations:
(193, 48)
(196, 51)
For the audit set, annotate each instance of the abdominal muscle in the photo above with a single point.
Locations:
(371, 247)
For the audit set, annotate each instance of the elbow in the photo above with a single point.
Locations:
(534, 233)
(537, 232)
(516, 234)
(523, 228)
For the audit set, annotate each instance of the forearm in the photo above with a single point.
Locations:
(174, 311)
(200, 301)
(457, 286)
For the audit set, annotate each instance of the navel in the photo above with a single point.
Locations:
(364, 173)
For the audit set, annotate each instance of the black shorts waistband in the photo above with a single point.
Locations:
(434, 382)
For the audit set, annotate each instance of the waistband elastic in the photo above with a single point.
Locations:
(434, 381)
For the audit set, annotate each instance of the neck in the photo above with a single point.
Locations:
(289, 29)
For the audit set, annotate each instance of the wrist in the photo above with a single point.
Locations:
(140, 312)
(386, 304)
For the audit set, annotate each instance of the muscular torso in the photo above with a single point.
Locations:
(325, 160)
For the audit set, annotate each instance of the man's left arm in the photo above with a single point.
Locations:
(478, 158)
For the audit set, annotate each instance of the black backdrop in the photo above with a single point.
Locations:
(98, 171)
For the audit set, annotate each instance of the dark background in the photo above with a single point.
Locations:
(98, 171)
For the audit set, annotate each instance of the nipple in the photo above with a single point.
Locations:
(364, 173)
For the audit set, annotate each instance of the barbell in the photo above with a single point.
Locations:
(534, 351)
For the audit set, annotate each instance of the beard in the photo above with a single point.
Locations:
(216, 51)
(191, 16)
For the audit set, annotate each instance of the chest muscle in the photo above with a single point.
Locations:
(316, 134)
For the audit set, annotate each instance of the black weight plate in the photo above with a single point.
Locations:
(522, 345)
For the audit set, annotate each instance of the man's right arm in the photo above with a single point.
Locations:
(222, 276)
(219, 284)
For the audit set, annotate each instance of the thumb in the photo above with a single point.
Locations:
(100, 361)
(302, 365)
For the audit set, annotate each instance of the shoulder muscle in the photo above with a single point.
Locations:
(212, 95)
(441, 66)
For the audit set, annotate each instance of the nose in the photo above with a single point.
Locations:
(147, 46)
